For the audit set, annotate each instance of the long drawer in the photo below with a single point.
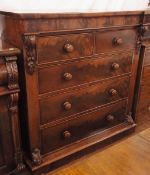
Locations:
(64, 47)
(71, 103)
(53, 78)
(55, 137)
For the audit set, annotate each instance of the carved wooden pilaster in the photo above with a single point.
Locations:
(12, 79)
(30, 51)
(13, 110)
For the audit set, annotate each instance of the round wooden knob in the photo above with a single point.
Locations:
(115, 66)
(113, 92)
(67, 76)
(110, 118)
(67, 106)
(149, 108)
(66, 134)
(68, 48)
(118, 41)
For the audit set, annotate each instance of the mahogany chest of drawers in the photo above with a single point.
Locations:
(78, 74)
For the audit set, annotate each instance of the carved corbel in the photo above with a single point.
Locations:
(13, 111)
(12, 72)
(129, 119)
(30, 51)
(36, 157)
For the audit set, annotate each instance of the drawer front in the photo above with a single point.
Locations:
(109, 41)
(147, 56)
(64, 47)
(77, 73)
(71, 103)
(60, 135)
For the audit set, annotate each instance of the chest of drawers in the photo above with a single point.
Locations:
(78, 76)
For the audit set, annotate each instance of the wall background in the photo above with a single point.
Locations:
(41, 6)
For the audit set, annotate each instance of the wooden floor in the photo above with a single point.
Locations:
(129, 157)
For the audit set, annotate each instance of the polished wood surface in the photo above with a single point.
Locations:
(84, 99)
(78, 73)
(64, 47)
(124, 158)
(82, 126)
(8, 49)
(78, 77)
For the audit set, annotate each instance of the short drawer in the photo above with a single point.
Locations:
(55, 137)
(71, 103)
(64, 47)
(109, 41)
(147, 56)
(76, 73)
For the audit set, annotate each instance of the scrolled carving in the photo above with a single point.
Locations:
(19, 161)
(140, 33)
(13, 101)
(36, 157)
(12, 71)
(129, 119)
(30, 50)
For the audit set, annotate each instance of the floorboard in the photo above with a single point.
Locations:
(129, 157)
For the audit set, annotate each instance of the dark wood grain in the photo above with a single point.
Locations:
(75, 70)
(111, 41)
(52, 108)
(84, 71)
(52, 48)
(81, 126)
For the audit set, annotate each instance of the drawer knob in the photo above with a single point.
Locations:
(67, 106)
(115, 66)
(113, 92)
(148, 108)
(67, 76)
(110, 118)
(66, 134)
(118, 41)
(68, 48)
